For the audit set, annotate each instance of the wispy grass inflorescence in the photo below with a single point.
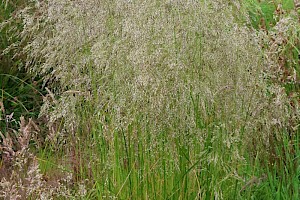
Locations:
(144, 56)
(181, 78)
(21, 177)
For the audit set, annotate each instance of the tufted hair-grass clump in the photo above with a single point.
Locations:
(128, 57)
(177, 75)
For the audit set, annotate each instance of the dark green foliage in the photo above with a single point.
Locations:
(19, 92)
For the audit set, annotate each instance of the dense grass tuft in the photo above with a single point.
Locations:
(160, 100)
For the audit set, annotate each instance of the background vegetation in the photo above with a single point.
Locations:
(149, 100)
(20, 93)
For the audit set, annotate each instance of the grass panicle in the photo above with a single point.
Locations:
(163, 99)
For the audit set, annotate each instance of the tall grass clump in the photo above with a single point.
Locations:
(280, 45)
(155, 99)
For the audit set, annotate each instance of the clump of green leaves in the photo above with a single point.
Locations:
(265, 14)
